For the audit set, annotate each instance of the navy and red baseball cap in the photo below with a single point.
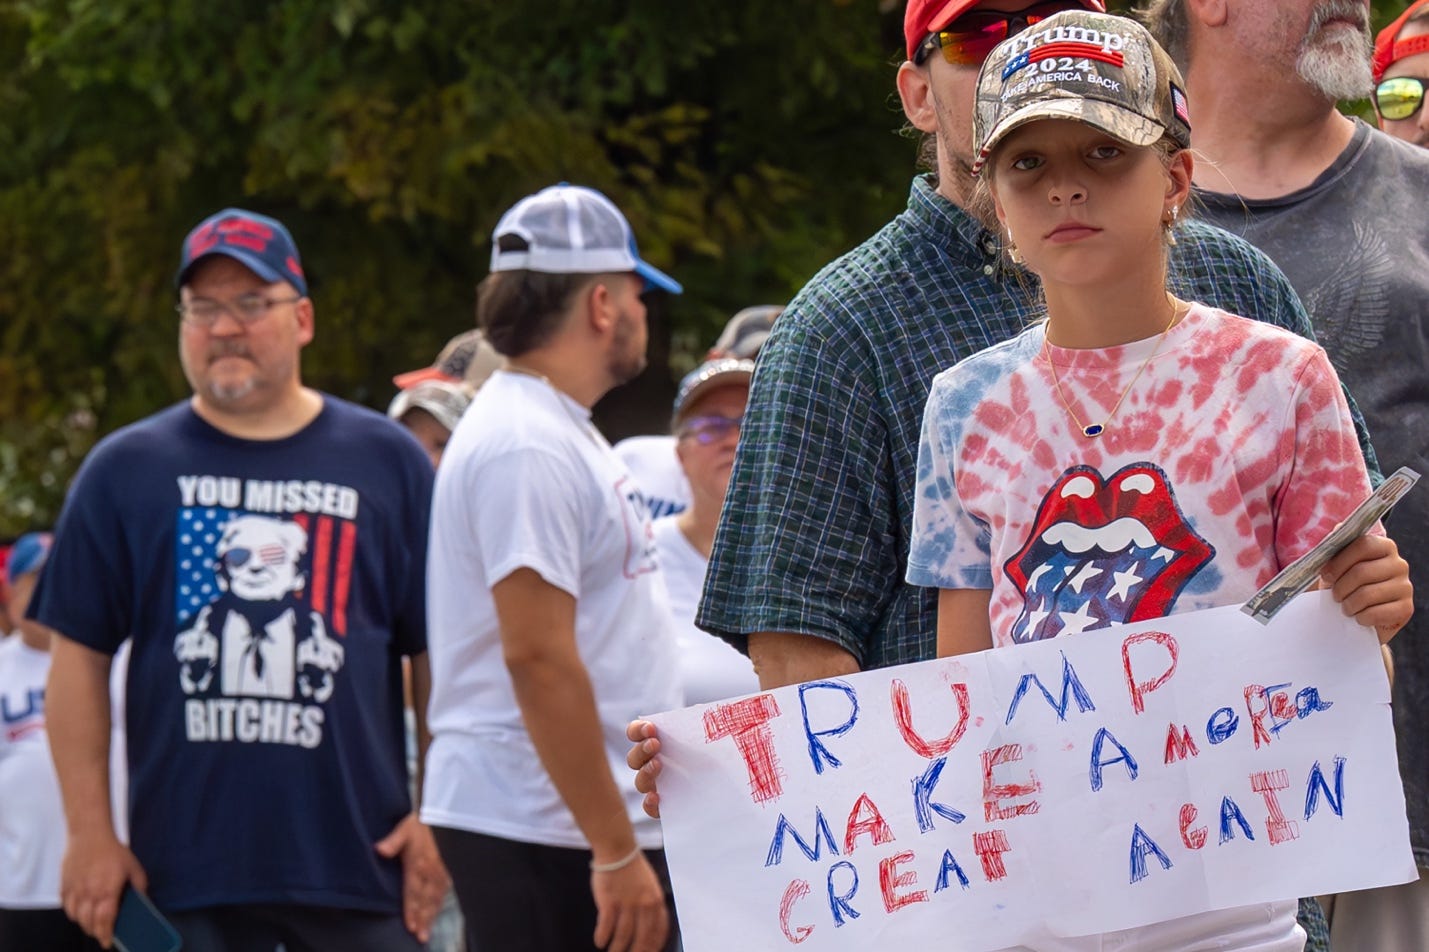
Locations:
(259, 243)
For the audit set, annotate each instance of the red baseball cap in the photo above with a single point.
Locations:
(1386, 51)
(929, 16)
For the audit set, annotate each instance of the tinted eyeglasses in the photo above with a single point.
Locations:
(1400, 97)
(248, 309)
(709, 429)
(968, 39)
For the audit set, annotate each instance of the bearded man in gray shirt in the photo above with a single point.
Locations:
(1339, 206)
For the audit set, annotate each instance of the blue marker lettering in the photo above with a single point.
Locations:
(1317, 783)
(1308, 701)
(818, 753)
(1097, 763)
(1141, 844)
(839, 904)
(923, 804)
(1222, 725)
(950, 867)
(1071, 688)
(1230, 811)
(822, 837)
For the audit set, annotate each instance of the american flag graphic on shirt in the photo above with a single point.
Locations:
(326, 566)
(1229, 452)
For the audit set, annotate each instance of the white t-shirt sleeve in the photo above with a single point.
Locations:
(527, 514)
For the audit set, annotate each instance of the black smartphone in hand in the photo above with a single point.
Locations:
(140, 927)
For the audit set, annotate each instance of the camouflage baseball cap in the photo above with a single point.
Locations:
(1102, 70)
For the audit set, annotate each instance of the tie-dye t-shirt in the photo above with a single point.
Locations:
(1231, 455)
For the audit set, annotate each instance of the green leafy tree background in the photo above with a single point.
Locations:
(749, 143)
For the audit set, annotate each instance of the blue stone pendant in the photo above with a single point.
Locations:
(1093, 429)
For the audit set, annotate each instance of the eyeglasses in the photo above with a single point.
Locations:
(1400, 97)
(968, 39)
(248, 309)
(709, 429)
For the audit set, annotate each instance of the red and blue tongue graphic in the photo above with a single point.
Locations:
(1103, 552)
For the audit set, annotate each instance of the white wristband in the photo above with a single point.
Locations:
(618, 864)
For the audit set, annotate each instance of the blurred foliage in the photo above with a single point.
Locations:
(749, 143)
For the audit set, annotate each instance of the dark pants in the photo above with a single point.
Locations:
(25, 930)
(260, 927)
(524, 897)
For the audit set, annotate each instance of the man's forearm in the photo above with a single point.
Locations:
(559, 708)
(783, 658)
(77, 721)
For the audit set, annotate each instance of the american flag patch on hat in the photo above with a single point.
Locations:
(1178, 104)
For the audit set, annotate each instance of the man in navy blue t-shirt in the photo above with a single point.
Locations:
(263, 546)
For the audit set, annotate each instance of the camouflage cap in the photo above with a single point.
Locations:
(446, 402)
(1102, 70)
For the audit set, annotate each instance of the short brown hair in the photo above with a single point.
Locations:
(519, 311)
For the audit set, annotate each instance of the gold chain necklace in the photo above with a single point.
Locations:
(1097, 429)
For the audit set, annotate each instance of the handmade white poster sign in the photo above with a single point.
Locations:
(1069, 787)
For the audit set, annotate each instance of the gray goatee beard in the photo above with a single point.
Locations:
(231, 392)
(1337, 64)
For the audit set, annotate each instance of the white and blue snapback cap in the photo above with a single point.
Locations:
(571, 229)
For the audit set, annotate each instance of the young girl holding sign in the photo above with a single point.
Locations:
(1134, 455)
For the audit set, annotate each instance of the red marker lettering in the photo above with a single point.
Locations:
(1265, 783)
(747, 721)
(890, 879)
(1139, 689)
(992, 792)
(865, 818)
(903, 716)
(989, 847)
(797, 890)
(1179, 746)
(1194, 839)
(1256, 709)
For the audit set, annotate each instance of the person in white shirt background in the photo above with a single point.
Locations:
(708, 408)
(32, 826)
(651, 459)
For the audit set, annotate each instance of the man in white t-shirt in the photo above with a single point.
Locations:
(549, 624)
